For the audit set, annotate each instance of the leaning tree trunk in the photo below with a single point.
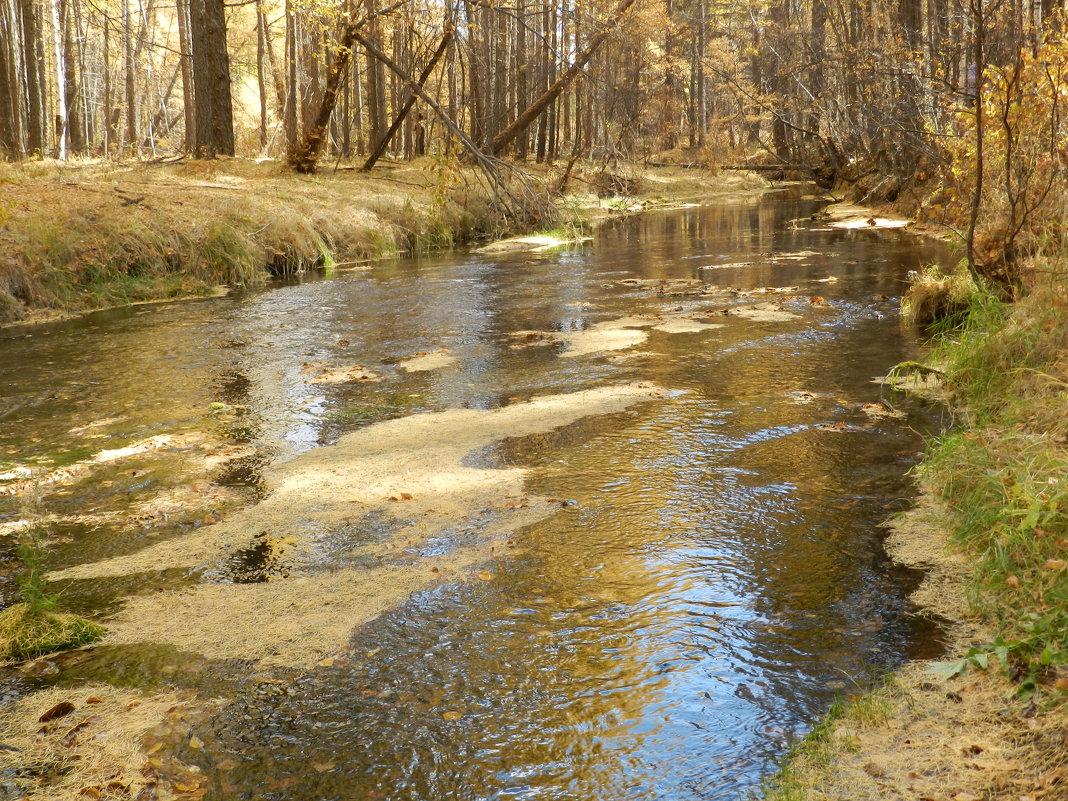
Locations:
(531, 112)
(380, 148)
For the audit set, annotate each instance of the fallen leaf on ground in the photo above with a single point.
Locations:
(58, 711)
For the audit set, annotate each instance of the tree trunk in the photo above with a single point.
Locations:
(211, 80)
(132, 109)
(61, 83)
(186, 60)
(31, 37)
(110, 135)
(261, 74)
(531, 112)
(376, 154)
(10, 137)
(290, 115)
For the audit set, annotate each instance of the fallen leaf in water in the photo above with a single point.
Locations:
(451, 715)
(817, 300)
(187, 786)
(225, 764)
(485, 575)
(195, 742)
(58, 711)
(342, 342)
(328, 662)
(322, 767)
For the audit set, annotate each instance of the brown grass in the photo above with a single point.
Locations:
(81, 236)
(934, 296)
(105, 748)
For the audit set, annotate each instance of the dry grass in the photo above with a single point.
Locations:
(88, 235)
(99, 749)
(934, 296)
(25, 633)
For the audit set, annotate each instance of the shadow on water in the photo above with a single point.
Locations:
(714, 580)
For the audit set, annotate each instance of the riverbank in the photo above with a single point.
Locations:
(76, 238)
(989, 720)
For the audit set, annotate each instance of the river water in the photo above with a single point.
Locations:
(712, 581)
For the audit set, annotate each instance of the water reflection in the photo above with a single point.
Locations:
(717, 581)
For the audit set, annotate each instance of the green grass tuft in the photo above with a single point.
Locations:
(27, 634)
(1003, 470)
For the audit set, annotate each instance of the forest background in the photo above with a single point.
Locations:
(954, 106)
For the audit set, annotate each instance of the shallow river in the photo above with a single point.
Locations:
(712, 580)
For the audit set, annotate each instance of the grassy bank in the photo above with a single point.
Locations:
(992, 527)
(80, 237)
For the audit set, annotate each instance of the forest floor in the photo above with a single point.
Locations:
(80, 237)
